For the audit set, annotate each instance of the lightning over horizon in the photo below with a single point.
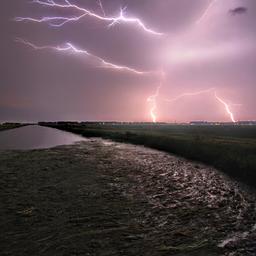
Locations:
(211, 90)
(227, 107)
(152, 100)
(128, 127)
(182, 51)
(153, 97)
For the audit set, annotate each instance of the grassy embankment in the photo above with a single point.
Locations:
(7, 126)
(231, 149)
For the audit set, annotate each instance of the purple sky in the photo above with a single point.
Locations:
(197, 52)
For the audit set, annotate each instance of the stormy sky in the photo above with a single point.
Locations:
(202, 49)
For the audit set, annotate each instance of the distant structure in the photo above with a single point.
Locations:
(246, 122)
(198, 123)
(114, 123)
(222, 123)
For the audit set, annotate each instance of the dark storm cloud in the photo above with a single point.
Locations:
(238, 10)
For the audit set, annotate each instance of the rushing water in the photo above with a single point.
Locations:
(186, 194)
(35, 137)
(200, 202)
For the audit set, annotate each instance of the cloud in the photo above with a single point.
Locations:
(238, 10)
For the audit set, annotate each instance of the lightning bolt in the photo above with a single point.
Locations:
(227, 108)
(101, 7)
(51, 20)
(60, 21)
(189, 94)
(152, 99)
(205, 13)
(69, 47)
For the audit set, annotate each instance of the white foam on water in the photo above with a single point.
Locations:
(234, 238)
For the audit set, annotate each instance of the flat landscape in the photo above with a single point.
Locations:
(230, 148)
(128, 128)
(100, 197)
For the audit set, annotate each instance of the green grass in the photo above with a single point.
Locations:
(7, 126)
(231, 149)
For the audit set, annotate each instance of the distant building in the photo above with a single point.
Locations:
(198, 123)
(247, 122)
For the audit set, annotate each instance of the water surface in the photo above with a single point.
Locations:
(131, 199)
(36, 137)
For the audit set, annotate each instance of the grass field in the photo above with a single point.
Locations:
(229, 148)
(6, 126)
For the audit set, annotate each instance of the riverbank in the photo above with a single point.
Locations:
(7, 126)
(105, 198)
(229, 148)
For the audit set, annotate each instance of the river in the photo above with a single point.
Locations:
(36, 137)
(130, 200)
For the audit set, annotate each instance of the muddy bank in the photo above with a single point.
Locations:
(105, 198)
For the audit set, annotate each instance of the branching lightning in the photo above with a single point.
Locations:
(53, 21)
(226, 106)
(60, 21)
(211, 90)
(153, 97)
(101, 7)
(189, 94)
(69, 47)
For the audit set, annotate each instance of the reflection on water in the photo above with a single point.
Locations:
(35, 137)
(186, 194)
(183, 204)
